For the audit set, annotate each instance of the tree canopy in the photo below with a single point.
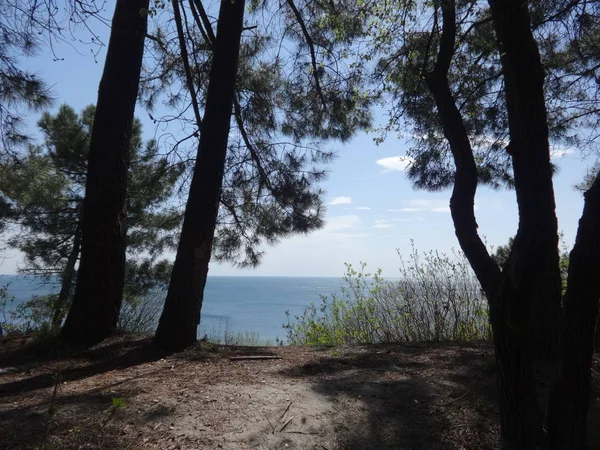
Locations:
(46, 191)
(295, 93)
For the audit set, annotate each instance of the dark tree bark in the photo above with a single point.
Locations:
(569, 401)
(534, 261)
(99, 290)
(529, 309)
(521, 417)
(524, 297)
(67, 280)
(462, 202)
(179, 321)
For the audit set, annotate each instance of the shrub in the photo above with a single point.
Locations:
(32, 316)
(224, 335)
(437, 298)
(139, 315)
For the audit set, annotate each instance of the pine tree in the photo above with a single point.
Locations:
(46, 192)
(283, 110)
(26, 28)
(506, 83)
(99, 291)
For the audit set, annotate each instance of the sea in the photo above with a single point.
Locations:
(232, 305)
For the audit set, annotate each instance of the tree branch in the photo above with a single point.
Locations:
(205, 20)
(186, 63)
(465, 181)
(311, 46)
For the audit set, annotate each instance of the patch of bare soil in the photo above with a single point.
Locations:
(358, 397)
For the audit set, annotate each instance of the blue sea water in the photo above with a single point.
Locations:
(235, 304)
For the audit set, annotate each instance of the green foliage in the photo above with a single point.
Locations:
(31, 316)
(139, 315)
(405, 39)
(19, 88)
(589, 177)
(5, 316)
(436, 299)
(45, 190)
(118, 403)
(26, 26)
(502, 252)
(289, 103)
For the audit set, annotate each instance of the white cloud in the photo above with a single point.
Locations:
(381, 221)
(399, 163)
(383, 225)
(364, 208)
(421, 205)
(410, 219)
(341, 201)
(337, 223)
(340, 229)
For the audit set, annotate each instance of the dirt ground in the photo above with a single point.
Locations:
(356, 397)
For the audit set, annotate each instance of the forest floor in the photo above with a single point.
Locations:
(434, 396)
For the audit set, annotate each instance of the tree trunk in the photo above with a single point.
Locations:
(534, 263)
(520, 415)
(569, 401)
(597, 335)
(178, 323)
(99, 290)
(67, 280)
(529, 306)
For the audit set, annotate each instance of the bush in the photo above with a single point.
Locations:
(32, 316)
(437, 298)
(140, 316)
(224, 335)
(5, 312)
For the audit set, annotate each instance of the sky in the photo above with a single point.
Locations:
(373, 213)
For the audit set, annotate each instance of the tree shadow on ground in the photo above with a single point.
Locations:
(75, 363)
(406, 397)
(87, 381)
(72, 364)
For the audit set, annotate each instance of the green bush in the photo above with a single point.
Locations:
(32, 316)
(437, 298)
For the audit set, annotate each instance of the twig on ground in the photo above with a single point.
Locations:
(301, 432)
(285, 412)
(51, 410)
(257, 357)
(287, 422)
(453, 400)
(271, 425)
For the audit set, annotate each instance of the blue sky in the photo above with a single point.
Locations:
(372, 208)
